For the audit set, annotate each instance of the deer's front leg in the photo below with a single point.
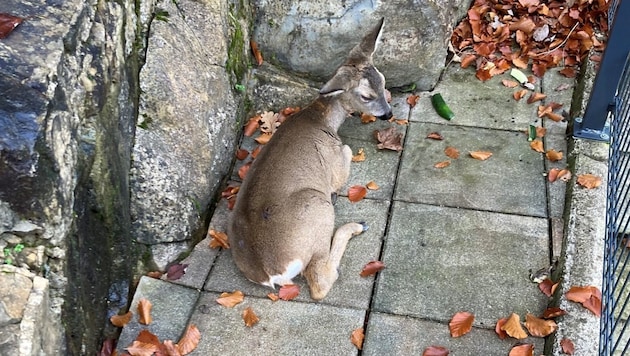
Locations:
(342, 167)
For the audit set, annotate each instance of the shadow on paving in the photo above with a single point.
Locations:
(460, 238)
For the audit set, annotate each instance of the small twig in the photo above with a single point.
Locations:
(561, 44)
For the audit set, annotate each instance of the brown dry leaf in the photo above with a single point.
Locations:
(553, 155)
(401, 122)
(256, 52)
(176, 271)
(372, 185)
(568, 72)
(564, 175)
(451, 152)
(367, 118)
(553, 116)
(249, 317)
(567, 346)
(412, 100)
(589, 296)
(273, 296)
(522, 350)
(242, 172)
(263, 138)
(537, 145)
(539, 327)
(357, 338)
(371, 268)
(461, 323)
(594, 304)
(8, 23)
(256, 151)
(542, 110)
(480, 155)
(519, 94)
(540, 131)
(138, 348)
(251, 126)
(170, 349)
(229, 300)
(289, 291)
(360, 156)
(498, 328)
(155, 274)
(219, 239)
(536, 96)
(513, 327)
(509, 83)
(144, 311)
(553, 312)
(435, 136)
(389, 139)
(121, 320)
(269, 122)
(147, 337)
(589, 181)
(435, 351)
(241, 154)
(467, 59)
(356, 193)
(547, 287)
(442, 164)
(189, 341)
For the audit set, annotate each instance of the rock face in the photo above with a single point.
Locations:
(312, 37)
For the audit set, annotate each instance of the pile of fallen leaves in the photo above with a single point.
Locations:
(497, 34)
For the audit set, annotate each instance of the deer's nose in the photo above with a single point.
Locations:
(388, 115)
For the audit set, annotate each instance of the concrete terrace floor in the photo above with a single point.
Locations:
(460, 238)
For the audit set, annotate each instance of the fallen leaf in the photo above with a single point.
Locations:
(594, 304)
(554, 117)
(535, 96)
(509, 83)
(562, 87)
(480, 155)
(389, 139)
(357, 338)
(372, 185)
(367, 118)
(256, 52)
(461, 323)
(513, 327)
(189, 341)
(567, 346)
(371, 268)
(564, 175)
(522, 350)
(442, 164)
(356, 193)
(241, 154)
(256, 151)
(553, 312)
(451, 152)
(519, 94)
(121, 320)
(568, 72)
(176, 271)
(553, 155)
(589, 296)
(435, 351)
(435, 136)
(269, 122)
(467, 60)
(138, 348)
(360, 156)
(144, 311)
(251, 126)
(108, 347)
(539, 327)
(498, 328)
(273, 296)
(147, 337)
(263, 138)
(155, 274)
(219, 239)
(412, 100)
(537, 145)
(401, 122)
(229, 300)
(540, 131)
(548, 287)
(589, 181)
(289, 291)
(169, 348)
(242, 172)
(8, 23)
(249, 317)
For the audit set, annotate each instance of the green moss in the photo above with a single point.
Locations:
(237, 62)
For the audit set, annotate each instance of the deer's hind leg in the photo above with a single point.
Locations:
(321, 273)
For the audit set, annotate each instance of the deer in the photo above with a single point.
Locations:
(283, 221)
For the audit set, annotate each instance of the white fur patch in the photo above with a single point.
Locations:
(293, 269)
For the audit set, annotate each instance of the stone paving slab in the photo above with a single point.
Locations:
(399, 335)
(510, 181)
(444, 260)
(285, 328)
(350, 290)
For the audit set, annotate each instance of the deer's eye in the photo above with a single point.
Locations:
(366, 98)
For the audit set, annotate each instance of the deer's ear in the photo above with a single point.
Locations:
(339, 83)
(363, 51)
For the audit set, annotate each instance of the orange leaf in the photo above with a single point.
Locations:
(256, 52)
(121, 320)
(589, 181)
(256, 151)
(371, 268)
(169, 348)
(242, 172)
(360, 156)
(138, 348)
(189, 341)
(249, 317)
(498, 328)
(467, 60)
(519, 94)
(568, 72)
(553, 312)
(513, 327)
(412, 100)
(567, 346)
(263, 138)
(564, 175)
(553, 155)
(536, 96)
(357, 338)
(251, 126)
(547, 287)
(389, 138)
(219, 239)
(289, 291)
(435, 351)
(451, 152)
(480, 155)
(367, 118)
(461, 323)
(372, 185)
(147, 337)
(539, 327)
(522, 350)
(144, 311)
(553, 116)
(273, 296)
(241, 154)
(509, 83)
(356, 193)
(537, 145)
(594, 304)
(540, 131)
(229, 300)
(442, 164)
(579, 294)
(435, 136)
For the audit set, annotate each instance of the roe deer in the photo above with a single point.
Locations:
(283, 221)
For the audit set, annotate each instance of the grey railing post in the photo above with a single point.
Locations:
(594, 125)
